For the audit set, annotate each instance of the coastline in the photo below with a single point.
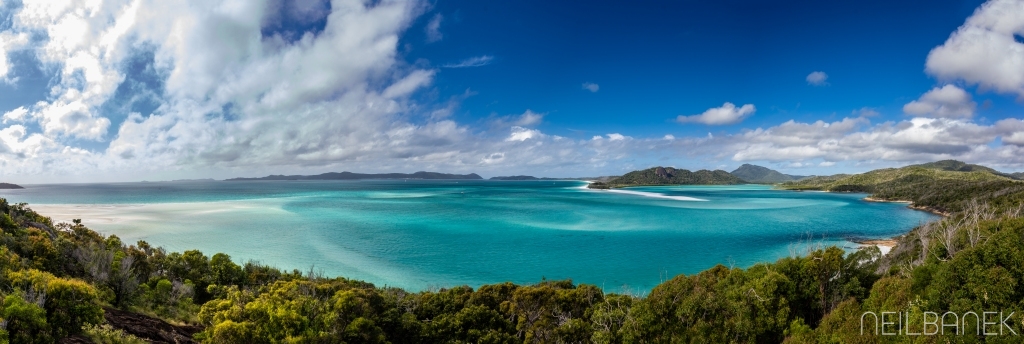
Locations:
(910, 204)
(642, 193)
(884, 245)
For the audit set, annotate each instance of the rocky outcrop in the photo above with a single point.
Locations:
(151, 329)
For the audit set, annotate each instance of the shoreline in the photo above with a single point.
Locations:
(884, 245)
(910, 204)
(642, 193)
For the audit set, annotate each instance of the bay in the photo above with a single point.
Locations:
(418, 234)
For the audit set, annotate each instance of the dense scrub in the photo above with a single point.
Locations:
(56, 279)
(671, 176)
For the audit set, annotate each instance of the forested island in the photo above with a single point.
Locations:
(669, 176)
(62, 282)
(762, 175)
(10, 186)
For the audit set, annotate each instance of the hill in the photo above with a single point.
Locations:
(10, 186)
(670, 176)
(762, 175)
(960, 166)
(359, 176)
(940, 187)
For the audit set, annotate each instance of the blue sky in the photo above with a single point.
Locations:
(137, 89)
(656, 60)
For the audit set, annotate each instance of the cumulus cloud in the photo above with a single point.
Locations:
(947, 102)
(235, 99)
(592, 87)
(984, 51)
(9, 42)
(477, 61)
(855, 139)
(433, 28)
(523, 134)
(726, 114)
(817, 78)
(16, 115)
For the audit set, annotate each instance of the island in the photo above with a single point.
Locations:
(763, 175)
(10, 186)
(361, 176)
(669, 176)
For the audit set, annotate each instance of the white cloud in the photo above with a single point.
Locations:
(236, 102)
(472, 62)
(433, 29)
(409, 83)
(984, 51)
(9, 42)
(523, 134)
(852, 139)
(726, 114)
(16, 115)
(817, 78)
(529, 118)
(592, 87)
(947, 102)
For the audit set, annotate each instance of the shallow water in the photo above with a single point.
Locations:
(421, 234)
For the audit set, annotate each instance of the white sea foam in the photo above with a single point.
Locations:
(655, 195)
(641, 193)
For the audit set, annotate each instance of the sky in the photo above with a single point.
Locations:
(129, 90)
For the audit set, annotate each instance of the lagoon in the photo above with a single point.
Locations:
(418, 234)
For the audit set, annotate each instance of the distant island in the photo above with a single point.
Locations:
(10, 186)
(763, 175)
(669, 176)
(359, 176)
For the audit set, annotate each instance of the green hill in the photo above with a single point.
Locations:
(960, 166)
(939, 186)
(761, 175)
(671, 176)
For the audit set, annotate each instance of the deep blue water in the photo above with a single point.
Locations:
(422, 234)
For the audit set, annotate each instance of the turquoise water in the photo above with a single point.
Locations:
(423, 234)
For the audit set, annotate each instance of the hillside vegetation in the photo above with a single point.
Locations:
(762, 175)
(944, 187)
(670, 176)
(56, 280)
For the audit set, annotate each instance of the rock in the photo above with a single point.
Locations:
(662, 172)
(148, 328)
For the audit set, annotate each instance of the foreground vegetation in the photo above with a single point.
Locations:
(55, 281)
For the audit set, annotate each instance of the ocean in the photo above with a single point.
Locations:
(419, 234)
